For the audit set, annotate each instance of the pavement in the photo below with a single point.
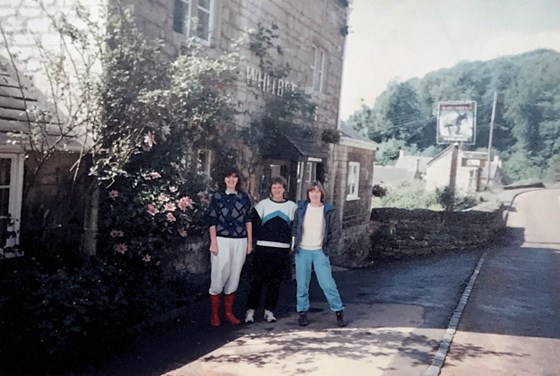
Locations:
(371, 342)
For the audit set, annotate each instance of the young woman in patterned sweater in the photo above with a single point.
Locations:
(229, 220)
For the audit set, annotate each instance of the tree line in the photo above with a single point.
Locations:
(527, 124)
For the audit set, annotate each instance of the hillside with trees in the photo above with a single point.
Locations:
(527, 123)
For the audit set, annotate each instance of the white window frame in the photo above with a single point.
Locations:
(318, 69)
(15, 187)
(193, 9)
(204, 169)
(353, 182)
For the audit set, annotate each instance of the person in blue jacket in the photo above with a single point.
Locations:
(316, 230)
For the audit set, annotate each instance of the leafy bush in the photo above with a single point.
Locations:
(413, 195)
(408, 195)
(148, 212)
(450, 201)
(62, 317)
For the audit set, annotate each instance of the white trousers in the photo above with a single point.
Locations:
(227, 265)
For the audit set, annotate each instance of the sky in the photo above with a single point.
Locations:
(392, 40)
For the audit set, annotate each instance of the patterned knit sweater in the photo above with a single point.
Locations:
(229, 213)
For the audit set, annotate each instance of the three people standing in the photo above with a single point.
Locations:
(311, 229)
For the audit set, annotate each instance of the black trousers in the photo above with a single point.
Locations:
(269, 267)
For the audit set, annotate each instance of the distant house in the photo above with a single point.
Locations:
(472, 171)
(408, 168)
(412, 163)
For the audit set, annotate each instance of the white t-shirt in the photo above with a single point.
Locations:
(313, 228)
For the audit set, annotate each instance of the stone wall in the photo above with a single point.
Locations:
(300, 26)
(189, 258)
(400, 233)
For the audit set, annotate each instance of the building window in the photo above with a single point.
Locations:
(193, 18)
(353, 181)
(203, 162)
(11, 181)
(318, 68)
(306, 174)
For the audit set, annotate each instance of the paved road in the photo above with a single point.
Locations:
(511, 325)
(398, 313)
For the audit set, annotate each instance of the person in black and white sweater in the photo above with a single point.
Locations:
(272, 221)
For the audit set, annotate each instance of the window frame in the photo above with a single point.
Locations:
(15, 196)
(318, 69)
(204, 170)
(193, 9)
(353, 181)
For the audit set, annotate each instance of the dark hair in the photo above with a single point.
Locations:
(278, 180)
(233, 171)
(312, 187)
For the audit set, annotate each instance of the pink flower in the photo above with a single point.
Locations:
(185, 202)
(172, 189)
(171, 217)
(147, 258)
(113, 194)
(170, 206)
(149, 141)
(152, 209)
(120, 248)
(154, 175)
(183, 232)
(116, 233)
(163, 198)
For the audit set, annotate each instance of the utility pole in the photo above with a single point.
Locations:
(490, 138)
(453, 169)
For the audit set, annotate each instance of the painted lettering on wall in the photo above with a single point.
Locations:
(267, 83)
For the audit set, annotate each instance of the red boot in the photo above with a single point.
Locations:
(215, 310)
(228, 305)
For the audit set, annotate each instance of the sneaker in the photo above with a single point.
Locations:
(303, 319)
(269, 316)
(250, 316)
(340, 319)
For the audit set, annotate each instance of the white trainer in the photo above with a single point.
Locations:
(250, 316)
(269, 316)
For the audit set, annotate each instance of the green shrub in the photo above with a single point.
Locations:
(451, 201)
(408, 195)
(75, 314)
(413, 195)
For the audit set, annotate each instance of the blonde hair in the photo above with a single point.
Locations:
(316, 185)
